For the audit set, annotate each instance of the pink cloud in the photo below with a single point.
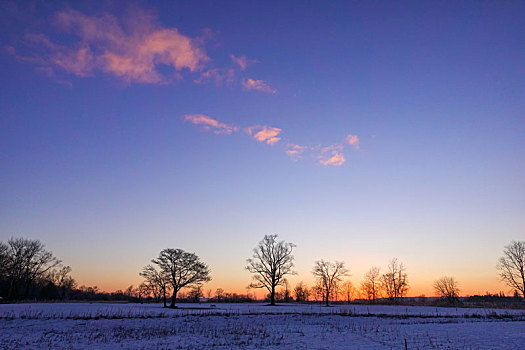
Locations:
(133, 53)
(208, 124)
(267, 134)
(294, 151)
(332, 155)
(258, 85)
(243, 62)
(352, 140)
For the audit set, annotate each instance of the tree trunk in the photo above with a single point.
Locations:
(327, 298)
(164, 296)
(272, 296)
(173, 298)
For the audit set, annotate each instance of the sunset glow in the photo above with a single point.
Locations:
(359, 131)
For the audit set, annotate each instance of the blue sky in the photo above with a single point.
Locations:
(125, 129)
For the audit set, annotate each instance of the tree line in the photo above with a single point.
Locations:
(29, 271)
(273, 260)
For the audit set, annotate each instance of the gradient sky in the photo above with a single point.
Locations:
(360, 131)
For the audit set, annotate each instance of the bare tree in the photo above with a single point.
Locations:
(271, 261)
(219, 294)
(348, 290)
(184, 270)
(512, 266)
(328, 274)
(370, 286)
(25, 261)
(62, 280)
(143, 290)
(158, 281)
(395, 281)
(301, 292)
(447, 287)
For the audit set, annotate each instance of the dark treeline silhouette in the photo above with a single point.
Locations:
(28, 271)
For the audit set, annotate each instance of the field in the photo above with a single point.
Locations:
(255, 326)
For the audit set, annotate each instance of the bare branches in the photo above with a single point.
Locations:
(328, 274)
(512, 266)
(370, 286)
(270, 262)
(183, 270)
(24, 261)
(447, 287)
(395, 281)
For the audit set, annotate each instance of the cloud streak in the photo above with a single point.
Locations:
(264, 133)
(294, 151)
(257, 85)
(332, 155)
(243, 62)
(209, 124)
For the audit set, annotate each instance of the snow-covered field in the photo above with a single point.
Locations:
(255, 326)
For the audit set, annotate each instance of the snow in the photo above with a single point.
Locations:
(255, 326)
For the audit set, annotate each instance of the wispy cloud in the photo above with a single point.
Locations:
(218, 76)
(332, 155)
(257, 85)
(208, 124)
(243, 62)
(263, 133)
(352, 140)
(294, 151)
(133, 52)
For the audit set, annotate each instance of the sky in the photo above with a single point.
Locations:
(359, 131)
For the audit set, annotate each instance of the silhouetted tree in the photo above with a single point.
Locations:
(347, 289)
(301, 292)
(327, 275)
(184, 270)
(512, 266)
(24, 261)
(62, 280)
(447, 287)
(219, 294)
(271, 261)
(395, 281)
(370, 286)
(158, 281)
(195, 294)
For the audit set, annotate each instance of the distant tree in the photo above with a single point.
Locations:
(158, 281)
(301, 292)
(184, 270)
(219, 294)
(24, 261)
(370, 286)
(143, 291)
(512, 266)
(271, 261)
(317, 292)
(447, 287)
(395, 281)
(286, 294)
(348, 290)
(62, 280)
(327, 275)
(195, 294)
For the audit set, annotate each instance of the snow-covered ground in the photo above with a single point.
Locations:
(255, 326)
